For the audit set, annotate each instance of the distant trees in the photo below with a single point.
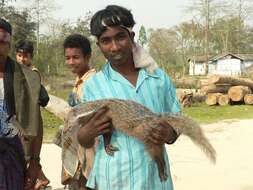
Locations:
(163, 47)
(143, 40)
(23, 27)
(229, 29)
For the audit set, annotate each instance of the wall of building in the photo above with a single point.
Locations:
(228, 67)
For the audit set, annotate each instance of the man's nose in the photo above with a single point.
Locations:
(71, 61)
(114, 46)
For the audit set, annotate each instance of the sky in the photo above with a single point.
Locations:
(149, 13)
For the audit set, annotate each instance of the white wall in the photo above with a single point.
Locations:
(196, 69)
(228, 67)
(247, 63)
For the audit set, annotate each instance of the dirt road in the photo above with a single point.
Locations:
(191, 170)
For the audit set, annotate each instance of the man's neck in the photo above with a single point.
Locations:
(126, 68)
(2, 63)
(80, 75)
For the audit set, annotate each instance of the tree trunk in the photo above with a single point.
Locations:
(216, 79)
(58, 106)
(212, 98)
(224, 100)
(237, 93)
(248, 99)
(212, 88)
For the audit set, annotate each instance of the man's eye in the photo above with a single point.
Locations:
(76, 57)
(121, 37)
(105, 41)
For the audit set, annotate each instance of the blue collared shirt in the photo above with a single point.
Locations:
(131, 168)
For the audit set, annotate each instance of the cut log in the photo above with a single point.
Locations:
(224, 100)
(212, 98)
(215, 88)
(248, 99)
(58, 106)
(198, 97)
(186, 100)
(237, 93)
(216, 79)
(187, 83)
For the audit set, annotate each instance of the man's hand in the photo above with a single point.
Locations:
(164, 133)
(32, 174)
(98, 124)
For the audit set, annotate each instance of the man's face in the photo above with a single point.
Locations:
(24, 58)
(77, 62)
(116, 44)
(4, 43)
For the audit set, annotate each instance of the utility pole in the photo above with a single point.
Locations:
(206, 36)
(239, 26)
(38, 26)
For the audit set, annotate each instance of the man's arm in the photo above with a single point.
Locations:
(99, 124)
(164, 133)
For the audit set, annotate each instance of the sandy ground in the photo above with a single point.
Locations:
(191, 170)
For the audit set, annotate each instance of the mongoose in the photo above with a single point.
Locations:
(135, 120)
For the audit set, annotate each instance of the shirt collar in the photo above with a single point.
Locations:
(114, 75)
(84, 77)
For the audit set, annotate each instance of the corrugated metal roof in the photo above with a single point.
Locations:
(221, 56)
(202, 58)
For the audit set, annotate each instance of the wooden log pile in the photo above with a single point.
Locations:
(187, 97)
(224, 90)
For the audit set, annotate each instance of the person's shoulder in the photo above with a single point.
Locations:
(94, 77)
(35, 69)
(161, 73)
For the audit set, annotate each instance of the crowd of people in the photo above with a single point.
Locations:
(129, 73)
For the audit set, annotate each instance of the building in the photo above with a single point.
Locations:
(224, 64)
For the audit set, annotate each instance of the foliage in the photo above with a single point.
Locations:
(142, 36)
(230, 30)
(51, 125)
(23, 27)
(162, 43)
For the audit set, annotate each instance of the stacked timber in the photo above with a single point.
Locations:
(187, 97)
(224, 90)
(248, 99)
(212, 98)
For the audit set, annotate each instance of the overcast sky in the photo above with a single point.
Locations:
(151, 14)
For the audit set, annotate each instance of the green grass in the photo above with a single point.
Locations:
(62, 93)
(211, 114)
(51, 124)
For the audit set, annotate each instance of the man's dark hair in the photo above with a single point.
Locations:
(24, 46)
(5, 25)
(112, 15)
(78, 41)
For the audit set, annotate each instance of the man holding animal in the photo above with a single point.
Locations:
(130, 74)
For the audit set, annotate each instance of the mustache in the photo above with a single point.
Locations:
(116, 55)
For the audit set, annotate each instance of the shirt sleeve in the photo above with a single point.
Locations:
(171, 101)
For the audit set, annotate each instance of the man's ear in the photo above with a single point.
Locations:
(132, 34)
(88, 56)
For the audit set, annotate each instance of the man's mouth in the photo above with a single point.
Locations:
(116, 56)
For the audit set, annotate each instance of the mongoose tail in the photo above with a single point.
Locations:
(186, 126)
